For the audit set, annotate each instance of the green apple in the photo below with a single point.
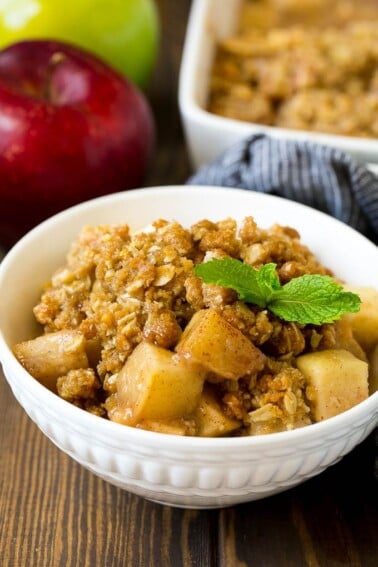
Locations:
(123, 32)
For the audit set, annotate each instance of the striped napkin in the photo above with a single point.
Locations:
(318, 176)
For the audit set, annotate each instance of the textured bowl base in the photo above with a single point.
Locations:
(202, 503)
(191, 507)
(206, 502)
(189, 499)
(197, 501)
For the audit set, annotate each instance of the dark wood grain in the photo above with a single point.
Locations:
(53, 513)
(330, 520)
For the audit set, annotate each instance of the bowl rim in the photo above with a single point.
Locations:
(142, 192)
(99, 426)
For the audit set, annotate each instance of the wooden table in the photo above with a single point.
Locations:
(55, 513)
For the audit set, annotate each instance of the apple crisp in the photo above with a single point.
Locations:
(301, 65)
(131, 333)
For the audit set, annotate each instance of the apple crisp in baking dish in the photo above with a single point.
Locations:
(301, 65)
(223, 328)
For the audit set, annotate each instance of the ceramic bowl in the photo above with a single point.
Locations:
(180, 471)
(207, 134)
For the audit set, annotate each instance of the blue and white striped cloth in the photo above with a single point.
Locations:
(318, 176)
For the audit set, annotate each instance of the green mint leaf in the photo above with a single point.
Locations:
(313, 299)
(268, 280)
(252, 286)
(309, 299)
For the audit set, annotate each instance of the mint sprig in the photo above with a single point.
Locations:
(309, 299)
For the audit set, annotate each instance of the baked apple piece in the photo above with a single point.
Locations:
(211, 419)
(156, 383)
(365, 321)
(52, 355)
(336, 381)
(217, 346)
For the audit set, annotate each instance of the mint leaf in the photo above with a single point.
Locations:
(314, 298)
(233, 274)
(268, 280)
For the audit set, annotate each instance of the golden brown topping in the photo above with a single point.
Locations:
(132, 334)
(162, 328)
(78, 385)
(301, 65)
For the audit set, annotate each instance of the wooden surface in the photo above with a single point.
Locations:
(55, 513)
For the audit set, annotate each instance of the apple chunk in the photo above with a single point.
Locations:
(158, 384)
(219, 347)
(210, 417)
(336, 381)
(365, 322)
(52, 355)
(373, 370)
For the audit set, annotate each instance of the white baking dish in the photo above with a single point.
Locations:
(208, 135)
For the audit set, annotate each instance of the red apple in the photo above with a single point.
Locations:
(71, 128)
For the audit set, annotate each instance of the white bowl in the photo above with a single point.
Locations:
(207, 134)
(180, 471)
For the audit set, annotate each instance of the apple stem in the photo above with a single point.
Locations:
(56, 59)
